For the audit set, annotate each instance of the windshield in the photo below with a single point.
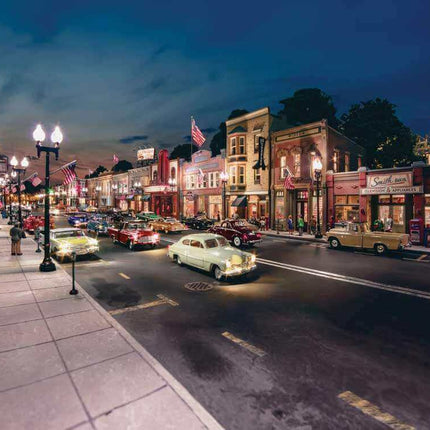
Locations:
(222, 241)
(136, 226)
(169, 219)
(71, 233)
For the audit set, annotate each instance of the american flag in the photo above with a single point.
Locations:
(22, 187)
(288, 183)
(69, 172)
(115, 158)
(35, 180)
(200, 177)
(196, 134)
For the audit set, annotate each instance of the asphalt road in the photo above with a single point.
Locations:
(313, 324)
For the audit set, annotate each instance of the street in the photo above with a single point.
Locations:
(290, 346)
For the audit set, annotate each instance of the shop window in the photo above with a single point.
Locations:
(257, 176)
(427, 211)
(398, 199)
(233, 146)
(384, 198)
(341, 200)
(241, 175)
(173, 173)
(336, 161)
(242, 149)
(347, 161)
(354, 200)
(297, 167)
(256, 145)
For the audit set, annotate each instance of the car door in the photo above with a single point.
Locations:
(354, 237)
(227, 230)
(196, 254)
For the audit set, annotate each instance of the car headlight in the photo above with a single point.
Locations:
(253, 258)
(94, 242)
(65, 247)
(227, 264)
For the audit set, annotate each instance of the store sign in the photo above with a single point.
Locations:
(300, 133)
(391, 183)
(145, 154)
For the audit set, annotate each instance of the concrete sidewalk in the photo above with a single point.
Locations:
(66, 363)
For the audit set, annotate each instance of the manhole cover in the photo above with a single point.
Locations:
(198, 286)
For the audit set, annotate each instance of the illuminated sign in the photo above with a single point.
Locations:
(391, 183)
(145, 154)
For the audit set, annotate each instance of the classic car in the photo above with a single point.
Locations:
(78, 220)
(359, 235)
(212, 253)
(98, 224)
(90, 209)
(147, 216)
(71, 210)
(65, 241)
(198, 223)
(168, 225)
(236, 232)
(33, 221)
(133, 233)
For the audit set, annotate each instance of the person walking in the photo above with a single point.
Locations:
(16, 235)
(290, 225)
(313, 225)
(300, 224)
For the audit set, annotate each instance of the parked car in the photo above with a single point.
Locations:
(134, 233)
(168, 225)
(198, 223)
(359, 235)
(71, 210)
(212, 253)
(98, 224)
(236, 232)
(78, 220)
(147, 216)
(33, 221)
(90, 209)
(65, 241)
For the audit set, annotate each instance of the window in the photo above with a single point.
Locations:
(347, 159)
(233, 148)
(173, 173)
(283, 165)
(242, 145)
(186, 242)
(256, 144)
(196, 244)
(202, 180)
(213, 179)
(233, 173)
(257, 176)
(296, 159)
(193, 181)
(241, 175)
(336, 161)
(154, 176)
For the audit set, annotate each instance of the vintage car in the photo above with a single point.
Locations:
(168, 225)
(212, 253)
(71, 210)
(198, 223)
(31, 223)
(78, 220)
(359, 235)
(65, 241)
(98, 225)
(236, 232)
(133, 234)
(90, 209)
(147, 216)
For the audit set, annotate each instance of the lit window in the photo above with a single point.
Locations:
(241, 176)
(242, 145)
(283, 166)
(233, 148)
(347, 162)
(336, 161)
(297, 169)
(256, 145)
(257, 176)
(233, 172)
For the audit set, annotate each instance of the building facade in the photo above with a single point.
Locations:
(138, 179)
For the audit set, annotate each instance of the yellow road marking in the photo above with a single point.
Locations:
(124, 275)
(422, 257)
(162, 300)
(373, 411)
(244, 344)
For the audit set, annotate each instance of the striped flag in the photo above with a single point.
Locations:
(22, 187)
(288, 183)
(69, 172)
(14, 189)
(115, 158)
(196, 134)
(35, 180)
(200, 177)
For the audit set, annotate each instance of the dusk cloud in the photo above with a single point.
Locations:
(133, 139)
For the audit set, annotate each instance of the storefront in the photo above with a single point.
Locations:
(347, 207)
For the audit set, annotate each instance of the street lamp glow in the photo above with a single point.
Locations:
(224, 176)
(38, 134)
(14, 162)
(57, 136)
(13, 173)
(317, 165)
(24, 162)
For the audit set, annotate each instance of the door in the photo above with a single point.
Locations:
(302, 209)
(354, 237)
(195, 254)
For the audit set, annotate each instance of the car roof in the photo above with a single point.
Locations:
(60, 230)
(202, 236)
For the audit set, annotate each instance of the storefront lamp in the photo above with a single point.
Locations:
(317, 166)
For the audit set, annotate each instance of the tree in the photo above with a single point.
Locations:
(219, 140)
(375, 126)
(122, 166)
(100, 169)
(183, 151)
(309, 105)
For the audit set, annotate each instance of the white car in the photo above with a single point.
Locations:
(212, 253)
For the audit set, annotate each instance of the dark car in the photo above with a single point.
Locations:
(198, 223)
(236, 232)
(98, 224)
(78, 220)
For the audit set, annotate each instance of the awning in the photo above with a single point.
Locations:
(146, 197)
(240, 202)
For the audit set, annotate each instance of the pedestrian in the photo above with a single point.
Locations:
(389, 224)
(16, 234)
(300, 224)
(262, 223)
(313, 225)
(332, 222)
(290, 225)
(218, 216)
(267, 220)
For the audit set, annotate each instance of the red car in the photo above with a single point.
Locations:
(133, 234)
(32, 222)
(236, 232)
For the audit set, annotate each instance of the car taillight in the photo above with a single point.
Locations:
(245, 236)
(258, 235)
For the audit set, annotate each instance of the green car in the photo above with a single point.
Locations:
(212, 253)
(147, 216)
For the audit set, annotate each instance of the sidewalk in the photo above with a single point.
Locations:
(66, 363)
(311, 238)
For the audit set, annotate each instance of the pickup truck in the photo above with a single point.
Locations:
(133, 234)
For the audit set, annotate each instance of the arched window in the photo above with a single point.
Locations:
(154, 176)
(173, 173)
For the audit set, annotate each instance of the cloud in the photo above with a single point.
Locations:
(187, 138)
(132, 139)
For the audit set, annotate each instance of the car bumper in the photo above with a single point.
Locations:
(149, 241)
(68, 252)
(238, 271)
(252, 242)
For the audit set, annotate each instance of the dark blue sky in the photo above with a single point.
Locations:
(113, 73)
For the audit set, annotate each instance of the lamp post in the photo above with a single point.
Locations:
(224, 179)
(47, 264)
(317, 166)
(16, 172)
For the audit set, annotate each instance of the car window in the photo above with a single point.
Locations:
(211, 243)
(196, 244)
(65, 234)
(226, 225)
(222, 241)
(186, 242)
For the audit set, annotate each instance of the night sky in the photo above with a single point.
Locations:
(115, 74)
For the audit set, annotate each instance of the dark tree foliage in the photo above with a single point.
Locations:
(122, 166)
(219, 139)
(375, 126)
(100, 169)
(183, 151)
(309, 105)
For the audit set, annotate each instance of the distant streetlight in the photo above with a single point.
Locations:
(224, 179)
(16, 172)
(317, 167)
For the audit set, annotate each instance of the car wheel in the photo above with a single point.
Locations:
(380, 249)
(130, 245)
(217, 273)
(237, 241)
(334, 243)
(178, 260)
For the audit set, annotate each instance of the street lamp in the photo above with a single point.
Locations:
(16, 171)
(224, 179)
(47, 264)
(317, 166)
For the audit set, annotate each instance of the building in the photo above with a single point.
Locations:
(200, 185)
(138, 179)
(120, 194)
(293, 152)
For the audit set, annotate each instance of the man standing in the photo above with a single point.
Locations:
(16, 236)
(300, 224)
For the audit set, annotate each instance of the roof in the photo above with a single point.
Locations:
(238, 129)
(202, 236)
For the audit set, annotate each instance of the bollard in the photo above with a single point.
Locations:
(73, 291)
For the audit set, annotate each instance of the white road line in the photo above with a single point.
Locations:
(162, 300)
(373, 411)
(123, 275)
(347, 279)
(244, 344)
